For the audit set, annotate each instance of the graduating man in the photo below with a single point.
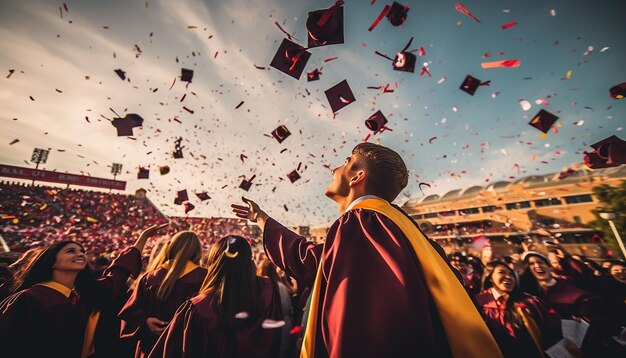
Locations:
(379, 286)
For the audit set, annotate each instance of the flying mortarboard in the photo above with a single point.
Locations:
(290, 58)
(188, 207)
(178, 148)
(609, 152)
(164, 169)
(543, 120)
(281, 133)
(203, 196)
(619, 91)
(313, 76)
(143, 173)
(396, 13)
(376, 121)
(181, 196)
(470, 84)
(121, 73)
(404, 60)
(293, 176)
(186, 75)
(246, 183)
(125, 125)
(339, 96)
(325, 26)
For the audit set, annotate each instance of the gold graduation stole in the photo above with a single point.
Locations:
(465, 330)
(532, 328)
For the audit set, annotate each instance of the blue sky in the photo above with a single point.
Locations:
(479, 139)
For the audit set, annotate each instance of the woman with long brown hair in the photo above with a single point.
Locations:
(171, 278)
(55, 308)
(234, 315)
(521, 324)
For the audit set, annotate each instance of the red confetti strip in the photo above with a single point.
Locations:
(344, 100)
(330, 59)
(215, 56)
(259, 67)
(188, 110)
(508, 26)
(425, 71)
(422, 52)
(463, 10)
(424, 184)
(242, 157)
(516, 166)
(173, 83)
(554, 129)
(61, 12)
(383, 13)
(282, 151)
(105, 27)
(239, 105)
(178, 120)
(183, 97)
(65, 7)
(514, 63)
(430, 141)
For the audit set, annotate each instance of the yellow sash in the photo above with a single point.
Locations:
(467, 333)
(189, 266)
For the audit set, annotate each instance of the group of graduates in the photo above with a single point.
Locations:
(520, 295)
(377, 287)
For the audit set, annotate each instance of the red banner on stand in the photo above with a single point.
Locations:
(64, 178)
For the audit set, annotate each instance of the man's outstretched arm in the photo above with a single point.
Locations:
(291, 252)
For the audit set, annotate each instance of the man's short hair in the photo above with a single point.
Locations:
(386, 171)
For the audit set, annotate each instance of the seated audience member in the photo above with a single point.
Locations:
(172, 278)
(234, 315)
(521, 324)
(55, 308)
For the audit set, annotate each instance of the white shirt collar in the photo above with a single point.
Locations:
(495, 293)
(359, 200)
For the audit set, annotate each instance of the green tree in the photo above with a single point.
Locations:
(612, 200)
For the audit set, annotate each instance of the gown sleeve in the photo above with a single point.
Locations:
(183, 337)
(292, 253)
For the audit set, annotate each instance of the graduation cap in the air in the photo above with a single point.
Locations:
(125, 125)
(203, 196)
(143, 173)
(293, 176)
(339, 96)
(376, 122)
(609, 152)
(121, 73)
(186, 75)
(619, 91)
(290, 58)
(188, 207)
(164, 169)
(396, 13)
(543, 120)
(313, 76)
(247, 183)
(404, 60)
(281, 133)
(325, 26)
(181, 196)
(178, 148)
(470, 84)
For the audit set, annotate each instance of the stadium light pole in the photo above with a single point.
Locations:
(39, 156)
(609, 217)
(116, 169)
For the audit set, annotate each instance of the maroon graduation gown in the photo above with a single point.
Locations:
(570, 301)
(144, 303)
(195, 331)
(519, 344)
(41, 322)
(374, 301)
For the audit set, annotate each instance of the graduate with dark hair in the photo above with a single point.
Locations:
(380, 288)
(234, 315)
(172, 278)
(569, 301)
(55, 308)
(521, 324)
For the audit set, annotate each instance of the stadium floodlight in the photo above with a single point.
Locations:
(40, 156)
(116, 169)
